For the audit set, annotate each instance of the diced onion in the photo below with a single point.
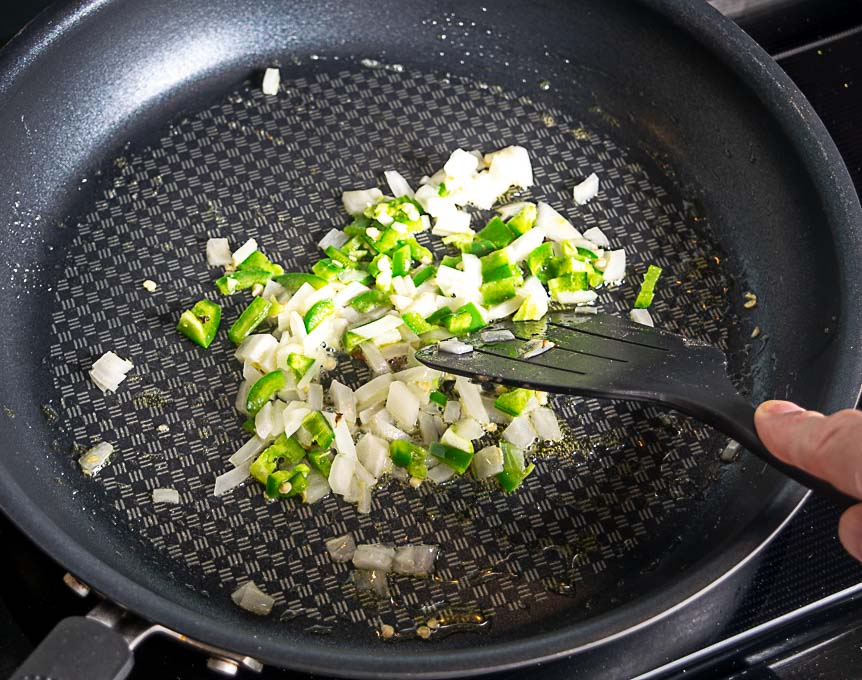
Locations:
(341, 473)
(509, 210)
(251, 598)
(614, 267)
(166, 496)
(317, 488)
(218, 252)
(487, 462)
(373, 556)
(545, 424)
(373, 357)
(520, 432)
(397, 184)
(471, 397)
(454, 346)
(341, 548)
(232, 478)
(315, 397)
(271, 81)
(492, 336)
(333, 237)
(439, 474)
(355, 202)
(597, 236)
(373, 453)
(554, 226)
(373, 581)
(343, 400)
(242, 253)
(586, 190)
(109, 371)
(415, 560)
(452, 412)
(641, 316)
(95, 458)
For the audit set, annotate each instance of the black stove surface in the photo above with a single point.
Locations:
(800, 617)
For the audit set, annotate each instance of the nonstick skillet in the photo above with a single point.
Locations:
(134, 131)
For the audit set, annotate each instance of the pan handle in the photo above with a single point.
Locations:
(79, 648)
(726, 410)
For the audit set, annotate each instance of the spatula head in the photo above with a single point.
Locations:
(593, 355)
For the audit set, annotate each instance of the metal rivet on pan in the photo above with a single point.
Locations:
(220, 664)
(80, 589)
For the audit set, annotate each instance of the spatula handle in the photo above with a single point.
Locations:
(735, 417)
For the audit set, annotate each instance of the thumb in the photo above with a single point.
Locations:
(829, 447)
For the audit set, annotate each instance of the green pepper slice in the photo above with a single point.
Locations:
(200, 323)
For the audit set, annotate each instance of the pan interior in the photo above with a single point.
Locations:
(588, 529)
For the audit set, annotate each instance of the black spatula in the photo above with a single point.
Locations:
(613, 358)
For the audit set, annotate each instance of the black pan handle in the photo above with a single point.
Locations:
(78, 648)
(734, 415)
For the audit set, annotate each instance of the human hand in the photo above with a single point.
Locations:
(829, 447)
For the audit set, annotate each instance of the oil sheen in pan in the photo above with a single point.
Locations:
(613, 494)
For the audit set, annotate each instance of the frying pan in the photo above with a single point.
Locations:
(134, 131)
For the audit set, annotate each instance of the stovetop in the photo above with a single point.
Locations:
(800, 617)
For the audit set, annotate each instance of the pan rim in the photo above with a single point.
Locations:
(817, 152)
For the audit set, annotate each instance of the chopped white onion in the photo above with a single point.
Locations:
(317, 488)
(373, 392)
(642, 316)
(247, 451)
(614, 266)
(415, 560)
(341, 548)
(597, 236)
(553, 225)
(471, 397)
(469, 429)
(343, 400)
(271, 81)
(341, 473)
(452, 411)
(397, 184)
(109, 371)
(509, 210)
(232, 478)
(439, 474)
(521, 247)
(251, 598)
(373, 556)
(315, 397)
(545, 424)
(333, 237)
(427, 428)
(577, 297)
(454, 346)
(382, 425)
(586, 190)
(535, 347)
(376, 328)
(355, 202)
(492, 336)
(293, 418)
(95, 458)
(487, 462)
(520, 432)
(218, 252)
(373, 453)
(166, 496)
(373, 581)
(511, 166)
(241, 254)
(344, 440)
(373, 357)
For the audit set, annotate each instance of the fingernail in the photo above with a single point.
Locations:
(778, 408)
